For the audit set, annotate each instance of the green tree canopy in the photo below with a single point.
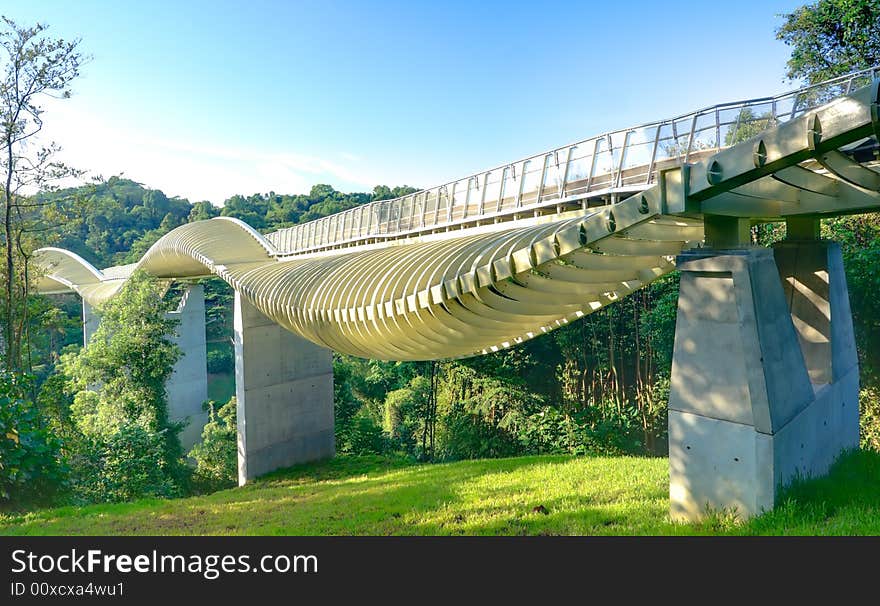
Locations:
(119, 377)
(33, 68)
(129, 447)
(831, 37)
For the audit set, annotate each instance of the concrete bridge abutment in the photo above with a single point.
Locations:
(284, 390)
(764, 376)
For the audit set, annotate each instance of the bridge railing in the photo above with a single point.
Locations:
(616, 162)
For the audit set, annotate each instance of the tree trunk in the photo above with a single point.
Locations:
(9, 320)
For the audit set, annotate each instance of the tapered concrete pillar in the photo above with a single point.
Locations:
(284, 388)
(90, 322)
(747, 414)
(187, 386)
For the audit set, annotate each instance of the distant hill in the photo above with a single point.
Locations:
(121, 219)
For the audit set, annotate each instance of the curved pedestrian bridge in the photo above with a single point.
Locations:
(498, 257)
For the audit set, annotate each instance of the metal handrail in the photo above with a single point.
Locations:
(617, 161)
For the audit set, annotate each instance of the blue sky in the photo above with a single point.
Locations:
(208, 99)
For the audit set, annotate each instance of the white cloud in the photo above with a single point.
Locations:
(196, 171)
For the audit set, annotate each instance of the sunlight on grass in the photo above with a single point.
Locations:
(545, 495)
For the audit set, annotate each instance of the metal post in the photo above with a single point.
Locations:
(502, 187)
(543, 176)
(519, 183)
(483, 194)
(654, 153)
(687, 154)
(370, 208)
(564, 179)
(593, 164)
(451, 198)
(412, 210)
(619, 177)
(399, 213)
(467, 196)
(675, 139)
(424, 208)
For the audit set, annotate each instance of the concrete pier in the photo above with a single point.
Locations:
(764, 375)
(187, 386)
(284, 388)
(90, 322)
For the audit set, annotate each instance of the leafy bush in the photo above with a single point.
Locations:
(405, 411)
(362, 436)
(221, 360)
(30, 468)
(482, 414)
(216, 456)
(129, 464)
(467, 436)
(869, 409)
(551, 431)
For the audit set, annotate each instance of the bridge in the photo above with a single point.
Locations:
(765, 373)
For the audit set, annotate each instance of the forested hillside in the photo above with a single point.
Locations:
(115, 221)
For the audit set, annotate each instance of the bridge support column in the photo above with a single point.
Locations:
(187, 387)
(90, 322)
(764, 375)
(284, 388)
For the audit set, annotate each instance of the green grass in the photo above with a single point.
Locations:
(380, 496)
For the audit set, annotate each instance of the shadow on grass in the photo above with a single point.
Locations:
(526, 495)
(371, 495)
(846, 501)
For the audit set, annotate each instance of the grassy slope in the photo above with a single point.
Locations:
(375, 496)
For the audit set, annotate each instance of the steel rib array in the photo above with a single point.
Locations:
(451, 297)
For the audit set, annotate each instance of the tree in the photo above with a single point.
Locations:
(34, 68)
(409, 414)
(30, 468)
(120, 376)
(203, 210)
(747, 125)
(118, 385)
(831, 37)
(216, 456)
(383, 192)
